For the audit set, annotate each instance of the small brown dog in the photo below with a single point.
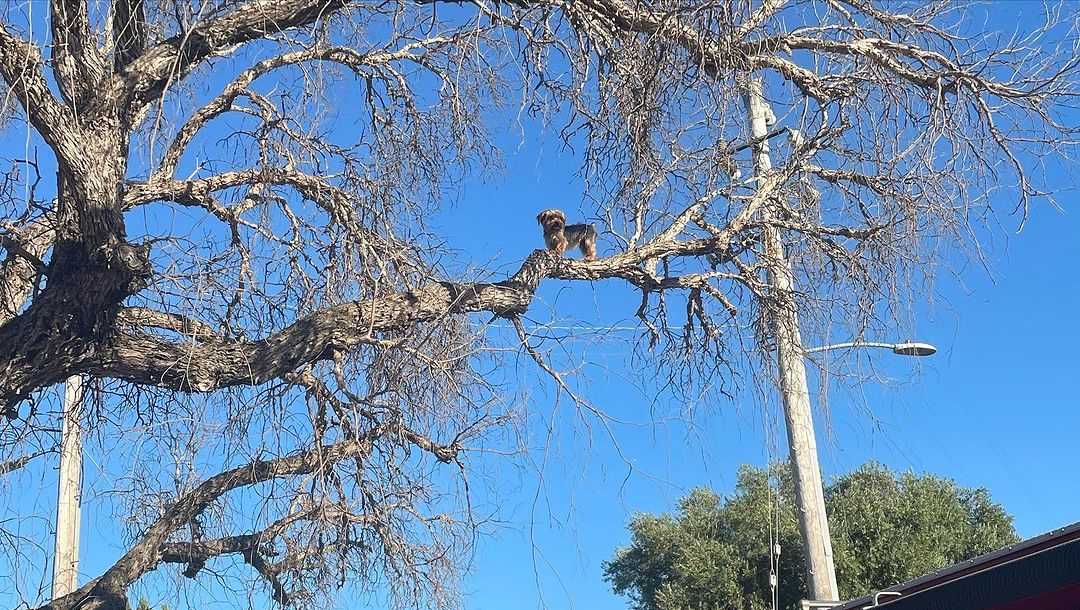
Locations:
(559, 236)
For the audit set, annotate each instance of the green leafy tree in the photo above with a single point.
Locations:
(713, 553)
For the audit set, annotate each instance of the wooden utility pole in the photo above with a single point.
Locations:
(69, 492)
(809, 497)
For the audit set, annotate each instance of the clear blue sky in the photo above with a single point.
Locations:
(995, 408)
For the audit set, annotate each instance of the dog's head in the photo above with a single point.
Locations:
(551, 220)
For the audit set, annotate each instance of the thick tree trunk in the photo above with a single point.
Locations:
(91, 271)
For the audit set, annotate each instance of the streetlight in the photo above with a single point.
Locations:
(907, 348)
(809, 496)
(813, 522)
(817, 533)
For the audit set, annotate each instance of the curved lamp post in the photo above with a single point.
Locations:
(813, 522)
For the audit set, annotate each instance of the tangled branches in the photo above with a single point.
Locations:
(238, 233)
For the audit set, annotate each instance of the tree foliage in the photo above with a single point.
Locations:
(226, 234)
(714, 553)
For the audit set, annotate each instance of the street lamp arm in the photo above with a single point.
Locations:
(909, 348)
(849, 344)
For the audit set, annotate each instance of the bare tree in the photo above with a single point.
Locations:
(244, 272)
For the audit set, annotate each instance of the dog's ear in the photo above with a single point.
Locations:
(540, 217)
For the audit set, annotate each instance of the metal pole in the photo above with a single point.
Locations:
(69, 492)
(809, 497)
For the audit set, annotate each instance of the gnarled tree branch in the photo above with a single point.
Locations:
(144, 77)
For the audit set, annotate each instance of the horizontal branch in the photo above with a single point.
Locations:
(31, 358)
(151, 318)
(211, 365)
(203, 367)
(19, 462)
(198, 192)
(198, 552)
(834, 231)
